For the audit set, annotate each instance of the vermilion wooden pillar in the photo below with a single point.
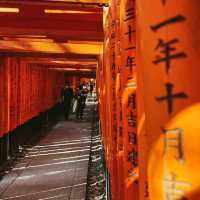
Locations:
(110, 58)
(130, 140)
(119, 92)
(23, 87)
(129, 107)
(141, 117)
(169, 54)
(4, 101)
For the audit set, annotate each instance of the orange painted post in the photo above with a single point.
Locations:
(169, 53)
(119, 115)
(120, 92)
(113, 69)
(4, 112)
(110, 67)
(141, 129)
(128, 78)
(120, 171)
(130, 151)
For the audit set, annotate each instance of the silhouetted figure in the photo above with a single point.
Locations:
(91, 88)
(81, 99)
(67, 95)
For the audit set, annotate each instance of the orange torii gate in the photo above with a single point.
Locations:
(150, 52)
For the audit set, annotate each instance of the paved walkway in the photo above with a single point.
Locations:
(56, 168)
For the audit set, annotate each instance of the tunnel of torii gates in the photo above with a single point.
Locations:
(145, 58)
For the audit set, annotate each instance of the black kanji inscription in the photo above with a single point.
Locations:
(173, 139)
(172, 20)
(130, 33)
(130, 14)
(170, 97)
(167, 49)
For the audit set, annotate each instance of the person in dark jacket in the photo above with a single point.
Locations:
(81, 96)
(91, 88)
(67, 95)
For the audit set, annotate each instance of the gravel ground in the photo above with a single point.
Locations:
(96, 184)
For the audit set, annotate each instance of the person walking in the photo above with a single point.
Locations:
(67, 95)
(81, 96)
(91, 88)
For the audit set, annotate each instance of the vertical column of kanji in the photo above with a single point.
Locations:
(170, 63)
(118, 92)
(128, 48)
(113, 100)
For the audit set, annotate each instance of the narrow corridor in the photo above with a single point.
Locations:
(139, 136)
(55, 168)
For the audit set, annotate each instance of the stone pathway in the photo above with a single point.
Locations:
(56, 168)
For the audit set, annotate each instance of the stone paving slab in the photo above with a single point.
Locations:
(56, 168)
